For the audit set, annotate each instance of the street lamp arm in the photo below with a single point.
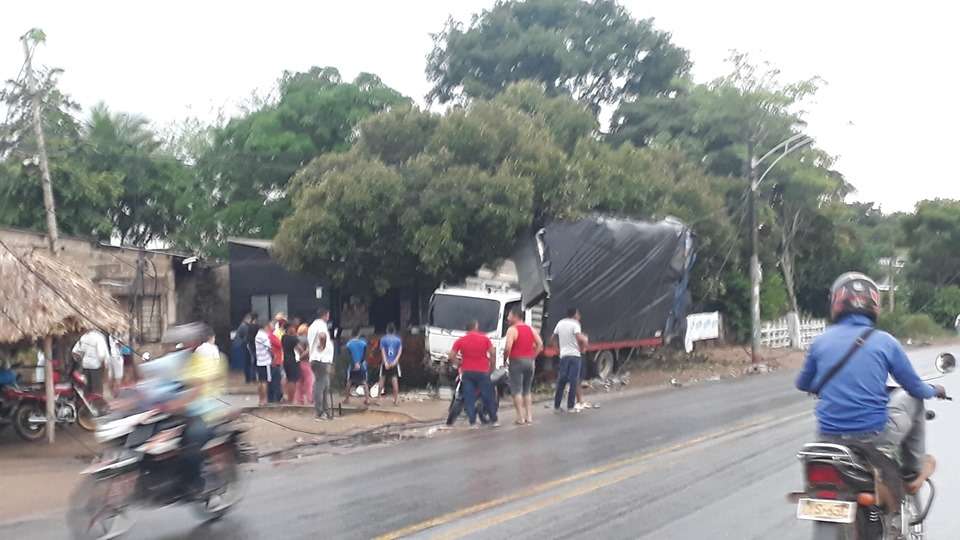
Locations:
(785, 144)
(787, 151)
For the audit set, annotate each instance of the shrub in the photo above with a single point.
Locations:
(910, 325)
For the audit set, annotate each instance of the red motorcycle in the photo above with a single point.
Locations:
(26, 406)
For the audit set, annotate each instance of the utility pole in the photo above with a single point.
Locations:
(35, 36)
(755, 278)
(786, 148)
(893, 283)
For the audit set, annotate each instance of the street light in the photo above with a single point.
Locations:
(785, 148)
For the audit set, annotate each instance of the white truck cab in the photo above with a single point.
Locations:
(452, 308)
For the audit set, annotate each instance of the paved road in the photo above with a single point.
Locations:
(710, 461)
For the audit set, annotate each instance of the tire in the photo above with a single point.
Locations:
(229, 492)
(89, 517)
(456, 407)
(27, 430)
(85, 417)
(604, 364)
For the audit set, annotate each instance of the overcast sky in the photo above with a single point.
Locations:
(889, 110)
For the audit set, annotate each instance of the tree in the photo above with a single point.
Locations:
(83, 196)
(253, 156)
(157, 190)
(593, 51)
(933, 234)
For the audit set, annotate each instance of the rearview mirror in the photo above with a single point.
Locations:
(946, 363)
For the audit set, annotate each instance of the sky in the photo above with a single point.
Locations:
(888, 110)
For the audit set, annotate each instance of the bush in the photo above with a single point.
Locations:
(910, 325)
(946, 306)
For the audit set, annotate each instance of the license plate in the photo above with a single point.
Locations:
(831, 511)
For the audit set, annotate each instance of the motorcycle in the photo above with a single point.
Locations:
(498, 378)
(849, 494)
(141, 465)
(25, 407)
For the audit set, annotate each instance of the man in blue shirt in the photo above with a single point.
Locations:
(357, 371)
(391, 348)
(854, 403)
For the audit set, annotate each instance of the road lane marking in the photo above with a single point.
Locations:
(450, 517)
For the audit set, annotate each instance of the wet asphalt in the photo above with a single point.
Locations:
(713, 460)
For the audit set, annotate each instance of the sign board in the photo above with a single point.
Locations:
(701, 326)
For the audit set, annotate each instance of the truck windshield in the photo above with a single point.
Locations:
(454, 312)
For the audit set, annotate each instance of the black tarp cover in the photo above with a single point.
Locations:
(627, 278)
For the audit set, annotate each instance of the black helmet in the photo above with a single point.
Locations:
(854, 292)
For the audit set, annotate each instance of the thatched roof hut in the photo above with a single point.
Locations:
(41, 296)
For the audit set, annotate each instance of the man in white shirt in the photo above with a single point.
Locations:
(91, 351)
(263, 352)
(572, 342)
(321, 362)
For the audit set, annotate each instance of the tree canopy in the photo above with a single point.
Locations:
(593, 51)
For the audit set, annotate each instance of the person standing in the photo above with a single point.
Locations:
(572, 342)
(253, 328)
(92, 352)
(264, 358)
(321, 361)
(238, 348)
(357, 371)
(477, 358)
(114, 366)
(391, 349)
(305, 385)
(291, 366)
(523, 346)
(275, 389)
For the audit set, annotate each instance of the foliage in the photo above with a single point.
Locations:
(593, 51)
(946, 306)
(253, 156)
(933, 234)
(913, 326)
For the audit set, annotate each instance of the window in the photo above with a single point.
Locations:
(506, 312)
(455, 312)
(268, 305)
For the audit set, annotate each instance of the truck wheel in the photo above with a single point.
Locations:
(604, 364)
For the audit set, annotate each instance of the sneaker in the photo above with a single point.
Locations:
(495, 424)
(574, 410)
(579, 407)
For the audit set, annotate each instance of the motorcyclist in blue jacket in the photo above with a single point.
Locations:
(856, 403)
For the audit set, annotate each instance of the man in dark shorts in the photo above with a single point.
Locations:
(391, 348)
(291, 367)
(357, 370)
(264, 358)
(523, 346)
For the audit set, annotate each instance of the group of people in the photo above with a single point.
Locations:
(303, 355)
(475, 356)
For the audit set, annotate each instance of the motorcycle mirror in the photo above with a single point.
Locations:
(946, 363)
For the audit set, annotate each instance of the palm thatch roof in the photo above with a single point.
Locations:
(41, 296)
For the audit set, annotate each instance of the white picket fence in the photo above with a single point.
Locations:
(776, 334)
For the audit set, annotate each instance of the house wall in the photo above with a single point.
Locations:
(254, 272)
(114, 270)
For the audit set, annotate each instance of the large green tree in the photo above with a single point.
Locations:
(253, 156)
(593, 51)
(157, 190)
(932, 233)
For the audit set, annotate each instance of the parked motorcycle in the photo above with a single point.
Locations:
(847, 497)
(141, 466)
(26, 406)
(498, 377)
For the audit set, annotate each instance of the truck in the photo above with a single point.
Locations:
(627, 278)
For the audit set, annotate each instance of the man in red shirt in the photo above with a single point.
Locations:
(477, 358)
(523, 346)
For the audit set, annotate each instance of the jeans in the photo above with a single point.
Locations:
(195, 435)
(275, 387)
(904, 438)
(569, 374)
(471, 381)
(321, 388)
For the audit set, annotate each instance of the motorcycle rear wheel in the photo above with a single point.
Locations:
(229, 489)
(26, 429)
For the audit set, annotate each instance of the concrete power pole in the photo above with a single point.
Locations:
(35, 37)
(755, 277)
